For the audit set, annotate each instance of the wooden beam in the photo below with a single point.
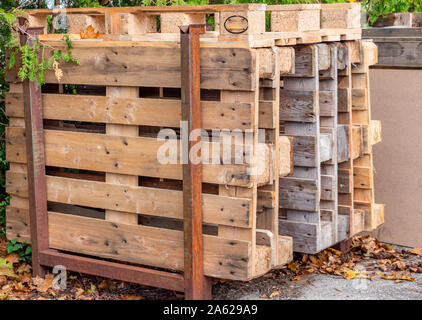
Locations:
(197, 287)
(37, 187)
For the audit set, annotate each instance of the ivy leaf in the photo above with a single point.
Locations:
(6, 269)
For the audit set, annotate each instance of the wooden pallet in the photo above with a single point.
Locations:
(289, 24)
(123, 205)
(363, 168)
(307, 210)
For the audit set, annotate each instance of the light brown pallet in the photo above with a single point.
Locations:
(363, 180)
(140, 201)
(290, 24)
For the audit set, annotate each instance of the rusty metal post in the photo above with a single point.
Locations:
(37, 187)
(197, 286)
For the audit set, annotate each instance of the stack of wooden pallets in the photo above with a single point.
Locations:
(300, 86)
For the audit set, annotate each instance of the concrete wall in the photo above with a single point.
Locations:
(396, 100)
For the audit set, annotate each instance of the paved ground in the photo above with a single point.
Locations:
(324, 287)
(328, 287)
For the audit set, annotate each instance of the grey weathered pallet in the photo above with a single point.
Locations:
(397, 47)
(328, 125)
(300, 195)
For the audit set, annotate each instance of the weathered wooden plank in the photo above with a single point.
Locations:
(344, 181)
(304, 151)
(298, 194)
(360, 99)
(343, 150)
(17, 224)
(158, 247)
(344, 96)
(357, 141)
(221, 68)
(286, 156)
(305, 235)
(375, 132)
(298, 106)
(327, 187)
(285, 18)
(305, 65)
(266, 120)
(362, 177)
(341, 15)
(325, 147)
(124, 155)
(142, 200)
(326, 104)
(139, 111)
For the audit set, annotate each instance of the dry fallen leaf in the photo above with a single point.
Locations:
(132, 297)
(296, 278)
(79, 292)
(23, 268)
(89, 33)
(6, 269)
(275, 294)
(42, 285)
(12, 257)
(416, 251)
(293, 266)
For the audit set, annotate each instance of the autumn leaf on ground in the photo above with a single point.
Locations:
(293, 266)
(42, 285)
(12, 257)
(336, 252)
(6, 269)
(79, 292)
(107, 284)
(275, 294)
(92, 289)
(296, 278)
(89, 33)
(23, 268)
(4, 294)
(132, 297)
(416, 251)
(351, 274)
(396, 276)
(420, 283)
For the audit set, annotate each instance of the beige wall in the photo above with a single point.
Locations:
(396, 100)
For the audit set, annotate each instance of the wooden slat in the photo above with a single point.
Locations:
(305, 235)
(298, 194)
(117, 271)
(362, 177)
(344, 181)
(359, 99)
(140, 111)
(157, 9)
(145, 245)
(326, 104)
(119, 154)
(17, 224)
(228, 69)
(327, 187)
(304, 151)
(298, 105)
(142, 200)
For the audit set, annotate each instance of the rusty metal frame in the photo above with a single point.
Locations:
(193, 282)
(197, 286)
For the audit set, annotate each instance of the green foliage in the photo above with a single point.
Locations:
(23, 249)
(378, 8)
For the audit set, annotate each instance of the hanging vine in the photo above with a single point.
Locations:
(34, 60)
